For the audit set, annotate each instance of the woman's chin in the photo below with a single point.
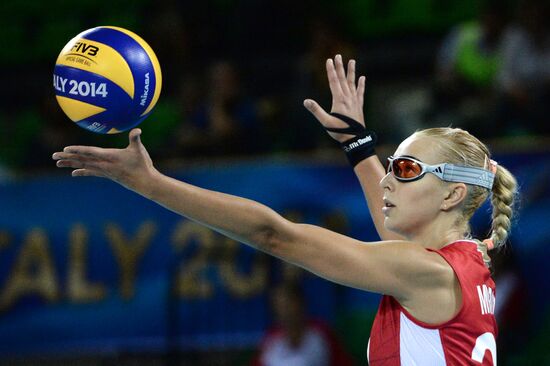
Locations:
(391, 225)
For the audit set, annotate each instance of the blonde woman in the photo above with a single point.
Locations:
(438, 303)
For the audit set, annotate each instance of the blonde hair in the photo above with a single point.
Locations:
(459, 147)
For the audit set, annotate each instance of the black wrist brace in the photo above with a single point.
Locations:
(357, 148)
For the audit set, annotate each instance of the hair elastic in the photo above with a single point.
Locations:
(490, 243)
(493, 166)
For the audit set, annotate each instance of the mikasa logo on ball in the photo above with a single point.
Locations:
(145, 90)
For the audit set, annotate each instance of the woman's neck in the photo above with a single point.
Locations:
(438, 234)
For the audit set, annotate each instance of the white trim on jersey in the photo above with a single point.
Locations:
(419, 346)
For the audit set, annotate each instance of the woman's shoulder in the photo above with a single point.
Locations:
(462, 253)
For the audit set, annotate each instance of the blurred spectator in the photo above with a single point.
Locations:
(166, 30)
(5, 174)
(524, 80)
(466, 70)
(296, 340)
(31, 133)
(325, 39)
(227, 121)
(18, 132)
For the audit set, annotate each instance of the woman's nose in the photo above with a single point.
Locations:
(386, 181)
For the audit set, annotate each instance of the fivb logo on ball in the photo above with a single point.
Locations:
(107, 79)
(85, 49)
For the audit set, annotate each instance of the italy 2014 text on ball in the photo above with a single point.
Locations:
(82, 88)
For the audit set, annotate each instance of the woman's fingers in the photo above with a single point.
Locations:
(79, 163)
(134, 137)
(89, 151)
(351, 75)
(62, 155)
(343, 84)
(88, 172)
(69, 164)
(333, 80)
(339, 65)
(361, 90)
(317, 111)
(326, 120)
(83, 157)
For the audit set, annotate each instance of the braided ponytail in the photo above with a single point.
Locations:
(502, 199)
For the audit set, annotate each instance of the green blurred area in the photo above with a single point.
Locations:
(35, 31)
(372, 17)
(30, 29)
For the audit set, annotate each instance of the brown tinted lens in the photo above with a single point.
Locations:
(405, 168)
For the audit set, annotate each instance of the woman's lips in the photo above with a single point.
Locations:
(387, 205)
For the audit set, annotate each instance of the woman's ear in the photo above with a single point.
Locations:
(456, 193)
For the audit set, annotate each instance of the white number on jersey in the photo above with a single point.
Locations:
(485, 342)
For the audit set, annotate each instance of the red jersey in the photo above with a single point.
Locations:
(319, 346)
(469, 338)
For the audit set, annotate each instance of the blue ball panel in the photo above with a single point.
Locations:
(117, 100)
(138, 60)
(109, 119)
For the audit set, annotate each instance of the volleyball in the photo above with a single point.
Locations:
(107, 79)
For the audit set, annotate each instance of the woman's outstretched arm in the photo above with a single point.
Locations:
(388, 267)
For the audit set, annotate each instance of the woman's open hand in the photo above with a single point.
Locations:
(347, 97)
(130, 166)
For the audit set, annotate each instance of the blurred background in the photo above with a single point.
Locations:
(92, 274)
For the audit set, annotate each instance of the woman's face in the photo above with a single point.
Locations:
(412, 207)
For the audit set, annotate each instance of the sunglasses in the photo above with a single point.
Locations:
(408, 169)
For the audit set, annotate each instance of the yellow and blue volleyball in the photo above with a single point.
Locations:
(107, 79)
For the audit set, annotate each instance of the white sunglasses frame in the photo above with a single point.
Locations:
(448, 172)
